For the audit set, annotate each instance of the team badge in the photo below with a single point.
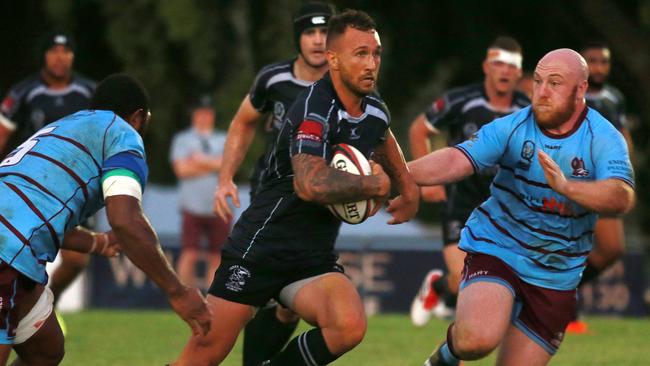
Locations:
(237, 278)
(278, 115)
(469, 129)
(578, 166)
(527, 153)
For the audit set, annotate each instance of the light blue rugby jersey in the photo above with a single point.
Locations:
(540, 234)
(52, 182)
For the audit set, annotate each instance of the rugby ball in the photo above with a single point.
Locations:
(348, 159)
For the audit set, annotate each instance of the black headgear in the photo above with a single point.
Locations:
(313, 14)
(52, 39)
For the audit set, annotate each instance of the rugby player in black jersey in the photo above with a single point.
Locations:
(610, 102)
(48, 95)
(462, 112)
(283, 245)
(275, 88)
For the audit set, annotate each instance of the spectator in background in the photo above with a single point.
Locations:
(48, 95)
(196, 158)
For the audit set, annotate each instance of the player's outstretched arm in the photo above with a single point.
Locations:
(83, 240)
(389, 156)
(240, 136)
(140, 243)
(420, 134)
(441, 167)
(316, 181)
(608, 196)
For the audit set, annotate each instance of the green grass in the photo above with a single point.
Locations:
(155, 337)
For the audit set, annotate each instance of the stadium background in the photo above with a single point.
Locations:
(180, 48)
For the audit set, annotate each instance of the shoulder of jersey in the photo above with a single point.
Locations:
(375, 100)
(597, 121)
(521, 99)
(275, 68)
(462, 94)
(615, 91)
(84, 81)
(26, 85)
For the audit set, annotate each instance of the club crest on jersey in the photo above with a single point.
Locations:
(578, 166)
(237, 278)
(527, 153)
(469, 129)
(278, 114)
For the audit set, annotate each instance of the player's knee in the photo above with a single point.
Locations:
(350, 331)
(472, 345)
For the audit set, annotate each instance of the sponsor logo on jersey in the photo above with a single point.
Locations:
(237, 278)
(555, 206)
(310, 130)
(527, 153)
(578, 166)
(353, 134)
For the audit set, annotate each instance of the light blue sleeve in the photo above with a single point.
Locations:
(486, 146)
(611, 156)
(121, 137)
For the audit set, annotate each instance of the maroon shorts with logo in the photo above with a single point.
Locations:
(212, 227)
(13, 288)
(541, 313)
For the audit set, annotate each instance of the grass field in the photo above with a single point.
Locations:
(130, 338)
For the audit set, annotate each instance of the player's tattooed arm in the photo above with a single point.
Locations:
(316, 181)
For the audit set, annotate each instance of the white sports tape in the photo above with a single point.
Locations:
(508, 57)
(36, 317)
(118, 185)
(7, 123)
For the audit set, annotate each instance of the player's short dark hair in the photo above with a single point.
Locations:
(121, 94)
(594, 43)
(356, 19)
(506, 43)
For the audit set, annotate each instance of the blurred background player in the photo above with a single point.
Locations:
(196, 159)
(56, 179)
(275, 88)
(52, 93)
(462, 112)
(608, 101)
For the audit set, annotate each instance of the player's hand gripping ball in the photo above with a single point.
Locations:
(348, 159)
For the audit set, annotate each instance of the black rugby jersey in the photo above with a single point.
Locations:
(30, 105)
(273, 91)
(280, 229)
(462, 111)
(609, 102)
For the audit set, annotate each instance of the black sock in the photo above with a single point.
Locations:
(589, 274)
(450, 300)
(265, 336)
(441, 286)
(307, 349)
